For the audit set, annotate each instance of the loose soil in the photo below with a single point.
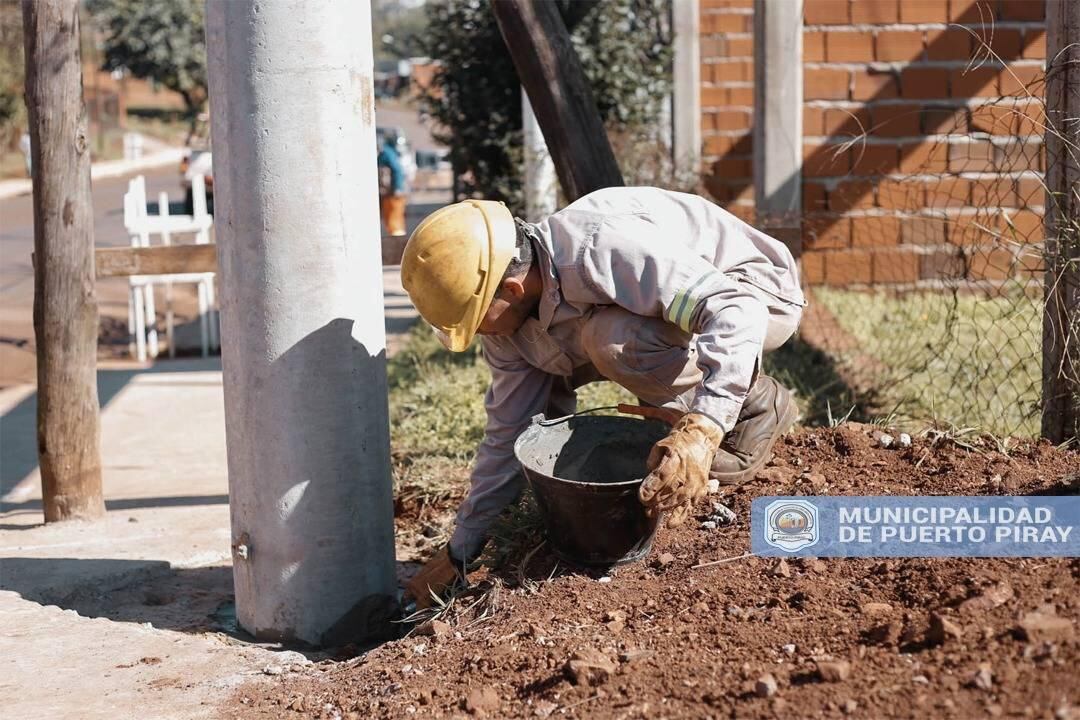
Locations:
(752, 637)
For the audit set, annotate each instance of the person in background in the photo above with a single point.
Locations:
(392, 197)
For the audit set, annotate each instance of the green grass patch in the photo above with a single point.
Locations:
(948, 358)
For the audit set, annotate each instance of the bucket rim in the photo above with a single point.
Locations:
(621, 483)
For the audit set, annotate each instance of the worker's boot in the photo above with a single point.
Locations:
(768, 412)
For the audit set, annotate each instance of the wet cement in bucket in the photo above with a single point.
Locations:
(593, 450)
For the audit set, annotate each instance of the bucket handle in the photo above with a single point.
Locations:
(666, 415)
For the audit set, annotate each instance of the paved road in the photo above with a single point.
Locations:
(16, 272)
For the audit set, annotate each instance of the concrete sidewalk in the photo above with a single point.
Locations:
(131, 616)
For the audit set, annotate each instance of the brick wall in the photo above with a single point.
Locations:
(727, 101)
(922, 146)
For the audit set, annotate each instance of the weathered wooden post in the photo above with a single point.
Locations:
(1061, 313)
(303, 342)
(65, 304)
(551, 73)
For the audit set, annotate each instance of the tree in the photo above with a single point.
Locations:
(625, 50)
(159, 40)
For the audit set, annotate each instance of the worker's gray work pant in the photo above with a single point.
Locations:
(652, 358)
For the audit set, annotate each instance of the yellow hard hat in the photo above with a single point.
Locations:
(453, 264)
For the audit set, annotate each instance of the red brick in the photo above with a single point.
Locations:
(1022, 154)
(813, 121)
(713, 97)
(825, 161)
(829, 232)
(1035, 45)
(849, 46)
(924, 11)
(973, 82)
(842, 121)
(977, 156)
(971, 11)
(745, 213)
(895, 266)
(729, 168)
(849, 194)
(1003, 42)
(993, 119)
(719, 144)
(942, 265)
(732, 23)
(845, 268)
(948, 191)
(991, 264)
(732, 120)
(993, 192)
(924, 157)
(873, 159)
(735, 71)
(1023, 81)
(950, 44)
(924, 82)
(813, 197)
(896, 120)
(968, 230)
(740, 47)
(825, 84)
(874, 86)
(1029, 119)
(900, 195)
(707, 122)
(713, 47)
(1023, 226)
(875, 12)
(826, 12)
(1030, 191)
(1023, 9)
(813, 46)
(879, 231)
(923, 231)
(903, 45)
(944, 120)
(813, 268)
(740, 96)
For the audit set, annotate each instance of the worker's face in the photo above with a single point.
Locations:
(508, 310)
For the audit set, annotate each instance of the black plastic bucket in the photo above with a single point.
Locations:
(585, 473)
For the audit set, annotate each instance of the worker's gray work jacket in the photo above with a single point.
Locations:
(657, 254)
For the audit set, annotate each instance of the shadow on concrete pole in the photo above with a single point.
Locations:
(541, 183)
(303, 344)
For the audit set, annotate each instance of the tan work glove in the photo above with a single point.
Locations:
(439, 574)
(679, 466)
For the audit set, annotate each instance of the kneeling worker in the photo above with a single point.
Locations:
(664, 293)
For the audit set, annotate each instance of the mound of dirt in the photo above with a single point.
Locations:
(752, 637)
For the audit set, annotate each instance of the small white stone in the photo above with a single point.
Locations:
(273, 670)
(905, 440)
(886, 440)
(714, 487)
(789, 648)
(920, 680)
(605, 579)
(708, 525)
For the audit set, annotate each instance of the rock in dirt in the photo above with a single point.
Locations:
(615, 620)
(781, 569)
(1044, 627)
(983, 679)
(714, 487)
(849, 707)
(941, 630)
(765, 686)
(633, 655)
(664, 559)
(481, 701)
(435, 628)
(834, 670)
(904, 440)
(544, 708)
(875, 608)
(886, 634)
(773, 475)
(988, 599)
(708, 525)
(886, 440)
(589, 668)
(722, 514)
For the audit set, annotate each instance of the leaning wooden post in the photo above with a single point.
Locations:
(551, 73)
(65, 305)
(1061, 313)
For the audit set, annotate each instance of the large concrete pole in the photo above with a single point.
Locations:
(541, 183)
(303, 344)
(686, 72)
(778, 99)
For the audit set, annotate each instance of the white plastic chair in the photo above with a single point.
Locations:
(142, 316)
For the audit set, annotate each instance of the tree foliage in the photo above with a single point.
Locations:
(12, 110)
(625, 50)
(159, 40)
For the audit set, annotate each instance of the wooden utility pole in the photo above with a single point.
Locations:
(551, 73)
(65, 304)
(1061, 313)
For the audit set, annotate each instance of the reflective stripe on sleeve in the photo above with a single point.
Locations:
(682, 306)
